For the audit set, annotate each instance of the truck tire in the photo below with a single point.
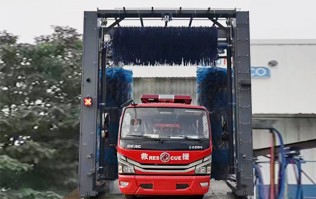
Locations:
(130, 196)
(198, 197)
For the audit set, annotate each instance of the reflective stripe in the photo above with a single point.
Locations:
(164, 171)
(205, 163)
(171, 171)
(123, 162)
(164, 166)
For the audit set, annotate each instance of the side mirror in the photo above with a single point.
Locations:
(224, 124)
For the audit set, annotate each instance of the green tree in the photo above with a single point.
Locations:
(39, 114)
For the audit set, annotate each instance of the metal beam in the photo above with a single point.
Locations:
(217, 23)
(268, 116)
(242, 108)
(117, 22)
(190, 23)
(141, 21)
(309, 144)
(230, 107)
(88, 118)
(222, 34)
(174, 13)
(103, 62)
(222, 57)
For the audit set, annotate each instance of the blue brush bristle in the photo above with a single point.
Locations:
(212, 94)
(159, 45)
(118, 90)
(119, 84)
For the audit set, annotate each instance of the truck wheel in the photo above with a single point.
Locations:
(198, 197)
(130, 196)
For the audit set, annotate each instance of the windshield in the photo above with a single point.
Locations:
(172, 123)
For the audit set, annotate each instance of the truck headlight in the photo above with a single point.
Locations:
(125, 168)
(200, 170)
(203, 169)
(205, 166)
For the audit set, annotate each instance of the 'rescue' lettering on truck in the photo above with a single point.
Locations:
(164, 147)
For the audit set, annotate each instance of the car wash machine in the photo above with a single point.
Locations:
(226, 93)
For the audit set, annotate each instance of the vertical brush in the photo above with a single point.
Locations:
(212, 93)
(118, 90)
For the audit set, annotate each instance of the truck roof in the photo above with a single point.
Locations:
(174, 105)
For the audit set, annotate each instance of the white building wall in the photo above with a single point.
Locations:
(291, 87)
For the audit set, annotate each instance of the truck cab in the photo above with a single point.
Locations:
(164, 147)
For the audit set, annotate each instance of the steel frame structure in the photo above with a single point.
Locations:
(235, 34)
(308, 144)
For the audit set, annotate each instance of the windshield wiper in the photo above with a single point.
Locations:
(146, 137)
(190, 138)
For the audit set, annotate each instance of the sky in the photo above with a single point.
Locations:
(269, 19)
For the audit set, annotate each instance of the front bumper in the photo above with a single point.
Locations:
(164, 185)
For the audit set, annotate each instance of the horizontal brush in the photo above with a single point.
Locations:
(164, 45)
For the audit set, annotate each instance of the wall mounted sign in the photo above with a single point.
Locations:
(260, 72)
(256, 72)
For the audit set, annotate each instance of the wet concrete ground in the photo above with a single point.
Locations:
(218, 190)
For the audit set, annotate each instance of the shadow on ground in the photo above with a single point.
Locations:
(75, 195)
(218, 190)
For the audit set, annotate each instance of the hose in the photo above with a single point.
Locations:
(282, 169)
(272, 166)
(259, 181)
(298, 174)
(282, 166)
(299, 192)
(294, 169)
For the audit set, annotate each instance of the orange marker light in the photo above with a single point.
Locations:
(87, 101)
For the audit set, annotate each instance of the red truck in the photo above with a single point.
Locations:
(164, 147)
